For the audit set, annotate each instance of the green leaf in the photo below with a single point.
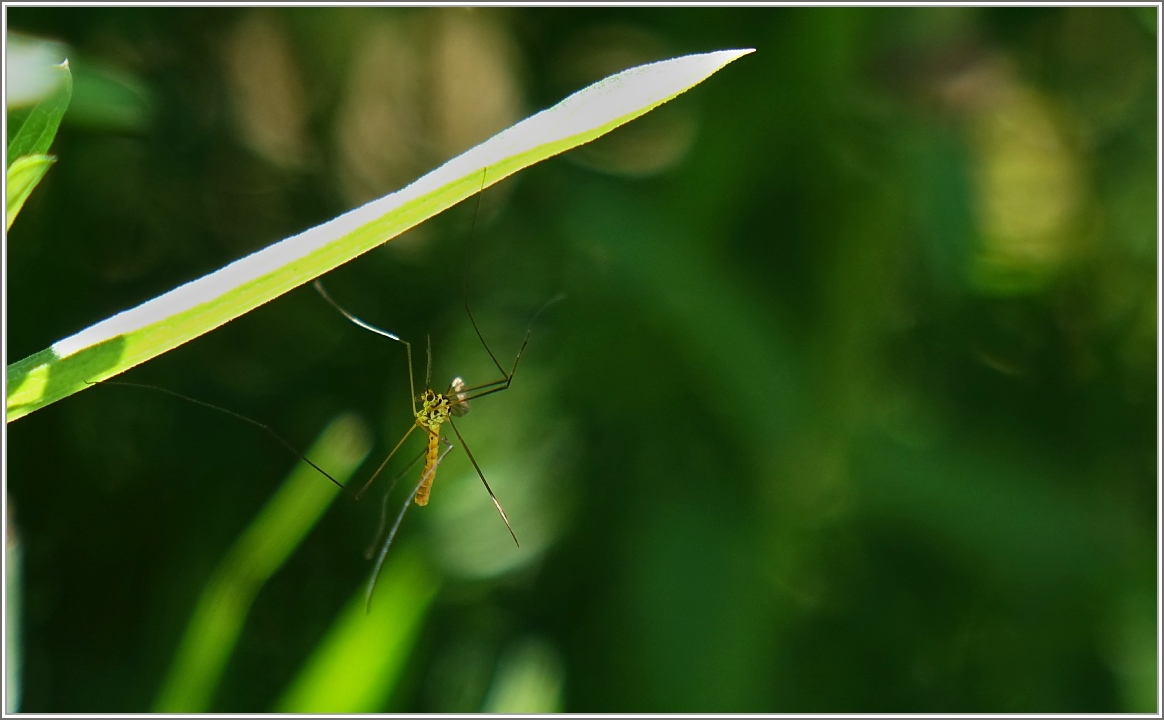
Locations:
(36, 135)
(144, 332)
(360, 660)
(23, 176)
(261, 550)
(109, 99)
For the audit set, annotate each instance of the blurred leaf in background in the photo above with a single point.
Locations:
(851, 406)
(46, 87)
(261, 550)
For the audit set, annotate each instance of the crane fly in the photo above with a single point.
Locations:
(431, 411)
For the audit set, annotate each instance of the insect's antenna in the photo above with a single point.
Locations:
(395, 527)
(278, 438)
(428, 362)
(368, 326)
(465, 283)
(485, 482)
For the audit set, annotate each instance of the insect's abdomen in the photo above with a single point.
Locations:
(430, 462)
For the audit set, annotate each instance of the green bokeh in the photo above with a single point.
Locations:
(850, 407)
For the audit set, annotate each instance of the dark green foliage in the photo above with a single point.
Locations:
(851, 406)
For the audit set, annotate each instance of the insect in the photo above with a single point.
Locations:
(431, 411)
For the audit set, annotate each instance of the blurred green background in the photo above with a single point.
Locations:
(851, 405)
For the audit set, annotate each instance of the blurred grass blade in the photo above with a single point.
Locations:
(108, 99)
(23, 176)
(261, 550)
(529, 680)
(358, 664)
(36, 134)
(136, 335)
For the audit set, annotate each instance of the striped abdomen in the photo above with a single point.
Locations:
(429, 472)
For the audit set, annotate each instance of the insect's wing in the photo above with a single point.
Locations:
(458, 396)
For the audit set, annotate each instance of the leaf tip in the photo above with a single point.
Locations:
(724, 57)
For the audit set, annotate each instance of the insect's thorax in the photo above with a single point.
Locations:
(434, 410)
(435, 407)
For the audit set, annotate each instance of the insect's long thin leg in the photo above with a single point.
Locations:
(506, 378)
(385, 463)
(485, 482)
(384, 507)
(368, 326)
(489, 387)
(465, 280)
(396, 526)
(232, 413)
